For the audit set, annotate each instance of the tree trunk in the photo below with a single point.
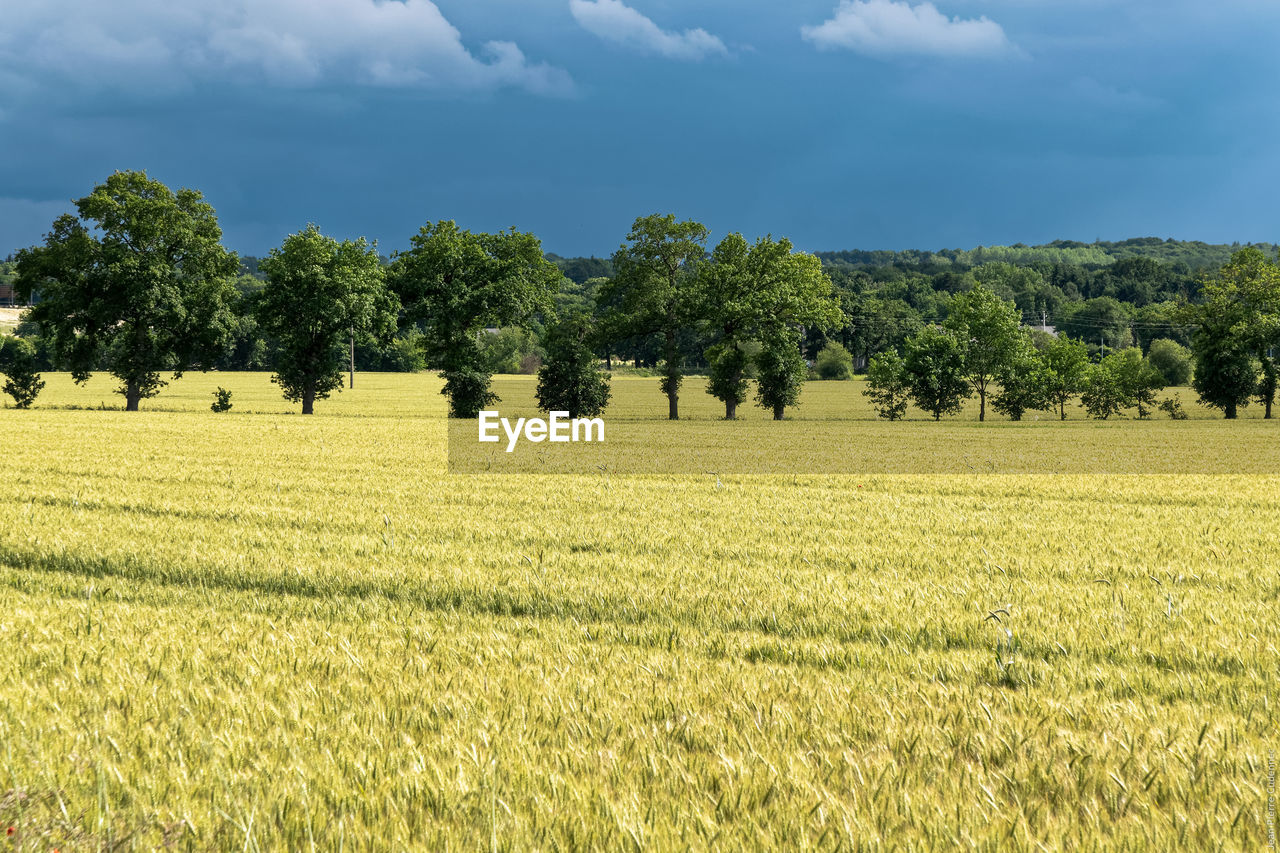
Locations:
(608, 361)
(982, 405)
(1267, 408)
(777, 411)
(672, 353)
(1230, 413)
(730, 410)
(308, 401)
(132, 394)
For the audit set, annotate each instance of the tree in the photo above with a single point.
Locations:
(1237, 324)
(1226, 374)
(1139, 380)
(727, 377)
(727, 294)
(782, 372)
(319, 293)
(569, 381)
(792, 293)
(137, 283)
(935, 364)
(655, 290)
(1103, 393)
(888, 385)
(834, 362)
(1172, 359)
(1065, 369)
(990, 330)
(453, 284)
(18, 365)
(1246, 292)
(1023, 386)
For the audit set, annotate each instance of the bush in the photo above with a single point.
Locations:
(1172, 359)
(17, 364)
(1173, 407)
(221, 400)
(468, 392)
(834, 362)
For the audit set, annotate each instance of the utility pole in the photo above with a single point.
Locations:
(352, 382)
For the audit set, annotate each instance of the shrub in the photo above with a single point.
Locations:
(221, 400)
(17, 364)
(834, 362)
(1173, 407)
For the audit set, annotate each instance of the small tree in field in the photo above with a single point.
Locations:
(569, 381)
(1023, 387)
(1065, 368)
(1139, 380)
(453, 284)
(319, 292)
(1103, 393)
(935, 365)
(18, 365)
(888, 385)
(782, 374)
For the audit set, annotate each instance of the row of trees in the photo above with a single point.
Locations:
(982, 350)
(139, 284)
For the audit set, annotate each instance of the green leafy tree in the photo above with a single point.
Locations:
(1172, 359)
(888, 385)
(1237, 323)
(935, 364)
(319, 293)
(1139, 380)
(834, 362)
(989, 328)
(1064, 369)
(18, 366)
(569, 380)
(1251, 283)
(453, 284)
(655, 290)
(793, 293)
(1023, 386)
(138, 283)
(727, 377)
(782, 371)
(1104, 393)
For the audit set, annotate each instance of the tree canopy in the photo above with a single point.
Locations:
(138, 283)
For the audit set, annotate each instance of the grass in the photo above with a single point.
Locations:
(255, 630)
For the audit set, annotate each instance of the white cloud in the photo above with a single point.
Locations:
(156, 45)
(890, 27)
(615, 21)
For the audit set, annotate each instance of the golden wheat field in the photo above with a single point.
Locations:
(258, 631)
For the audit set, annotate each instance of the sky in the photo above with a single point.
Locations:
(872, 124)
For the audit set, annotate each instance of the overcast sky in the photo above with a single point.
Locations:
(838, 123)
